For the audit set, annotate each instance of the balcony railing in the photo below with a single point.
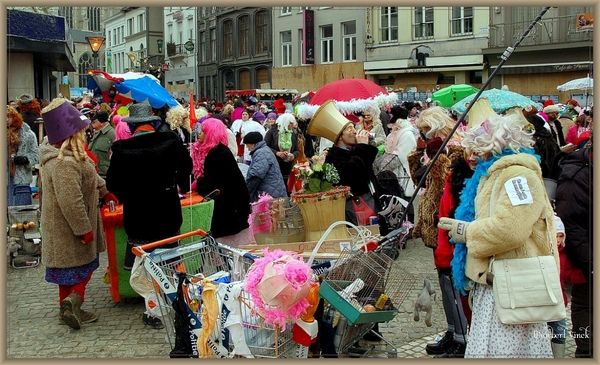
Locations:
(547, 31)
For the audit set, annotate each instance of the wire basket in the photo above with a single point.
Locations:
(366, 286)
(264, 340)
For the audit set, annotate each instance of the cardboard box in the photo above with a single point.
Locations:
(330, 249)
(266, 238)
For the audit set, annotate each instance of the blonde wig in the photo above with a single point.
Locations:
(439, 123)
(76, 143)
(178, 117)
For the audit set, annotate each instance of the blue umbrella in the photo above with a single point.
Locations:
(500, 100)
(134, 86)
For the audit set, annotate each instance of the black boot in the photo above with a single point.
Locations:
(440, 347)
(457, 350)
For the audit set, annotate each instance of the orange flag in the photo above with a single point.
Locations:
(193, 118)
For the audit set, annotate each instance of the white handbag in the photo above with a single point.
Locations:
(527, 290)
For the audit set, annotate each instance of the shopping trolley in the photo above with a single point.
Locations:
(365, 286)
(225, 267)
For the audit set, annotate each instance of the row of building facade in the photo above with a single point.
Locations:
(208, 50)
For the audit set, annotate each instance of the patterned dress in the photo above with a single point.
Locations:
(489, 338)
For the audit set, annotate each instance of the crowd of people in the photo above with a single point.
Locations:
(145, 158)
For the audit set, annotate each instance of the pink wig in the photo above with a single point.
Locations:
(121, 129)
(214, 133)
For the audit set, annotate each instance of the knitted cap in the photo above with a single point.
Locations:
(559, 225)
(272, 115)
(252, 138)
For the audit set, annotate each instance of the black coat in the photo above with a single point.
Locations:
(144, 173)
(355, 167)
(574, 207)
(232, 205)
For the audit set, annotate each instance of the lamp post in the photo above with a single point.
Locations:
(95, 44)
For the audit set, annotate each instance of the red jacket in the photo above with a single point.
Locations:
(442, 255)
(568, 272)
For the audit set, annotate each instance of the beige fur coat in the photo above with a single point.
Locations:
(503, 229)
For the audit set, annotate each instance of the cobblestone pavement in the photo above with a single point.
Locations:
(33, 329)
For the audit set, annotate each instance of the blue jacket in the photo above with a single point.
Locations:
(264, 174)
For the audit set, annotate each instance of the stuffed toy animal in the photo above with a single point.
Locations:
(423, 302)
(13, 246)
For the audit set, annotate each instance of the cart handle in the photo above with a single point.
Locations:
(139, 250)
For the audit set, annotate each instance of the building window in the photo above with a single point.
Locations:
(109, 39)
(203, 49)
(93, 15)
(262, 34)
(213, 44)
(228, 39)
(286, 48)
(286, 10)
(301, 46)
(423, 22)
(327, 44)
(389, 24)
(244, 32)
(141, 24)
(129, 26)
(475, 77)
(85, 64)
(262, 76)
(67, 12)
(462, 20)
(349, 37)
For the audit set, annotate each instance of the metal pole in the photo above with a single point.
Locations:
(505, 57)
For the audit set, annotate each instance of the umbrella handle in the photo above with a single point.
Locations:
(504, 57)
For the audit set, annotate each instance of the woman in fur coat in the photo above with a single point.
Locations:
(23, 153)
(433, 123)
(72, 227)
(504, 213)
(215, 168)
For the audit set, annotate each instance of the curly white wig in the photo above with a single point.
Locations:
(284, 120)
(498, 132)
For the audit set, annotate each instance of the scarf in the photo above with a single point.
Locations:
(466, 212)
(144, 129)
(285, 140)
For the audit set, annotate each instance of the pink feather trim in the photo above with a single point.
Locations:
(296, 272)
(263, 205)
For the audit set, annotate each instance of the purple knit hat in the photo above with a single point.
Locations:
(272, 115)
(258, 116)
(63, 121)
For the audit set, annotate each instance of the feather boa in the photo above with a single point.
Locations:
(306, 111)
(296, 271)
(466, 212)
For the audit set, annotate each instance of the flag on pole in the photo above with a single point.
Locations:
(193, 118)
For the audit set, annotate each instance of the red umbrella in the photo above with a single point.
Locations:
(351, 95)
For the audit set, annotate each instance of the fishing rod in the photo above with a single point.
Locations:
(505, 56)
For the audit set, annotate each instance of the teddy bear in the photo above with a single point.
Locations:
(13, 246)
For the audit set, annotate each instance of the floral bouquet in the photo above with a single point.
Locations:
(318, 176)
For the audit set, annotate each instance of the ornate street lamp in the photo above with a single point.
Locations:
(95, 44)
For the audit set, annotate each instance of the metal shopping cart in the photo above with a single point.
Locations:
(365, 286)
(187, 269)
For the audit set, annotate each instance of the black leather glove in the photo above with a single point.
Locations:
(21, 160)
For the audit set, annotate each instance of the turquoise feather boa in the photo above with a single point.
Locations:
(466, 212)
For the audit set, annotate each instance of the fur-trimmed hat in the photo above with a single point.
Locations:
(62, 120)
(252, 138)
(140, 113)
(25, 99)
(551, 109)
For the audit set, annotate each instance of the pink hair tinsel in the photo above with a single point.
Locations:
(260, 207)
(121, 128)
(297, 272)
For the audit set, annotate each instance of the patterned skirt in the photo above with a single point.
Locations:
(71, 275)
(489, 338)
